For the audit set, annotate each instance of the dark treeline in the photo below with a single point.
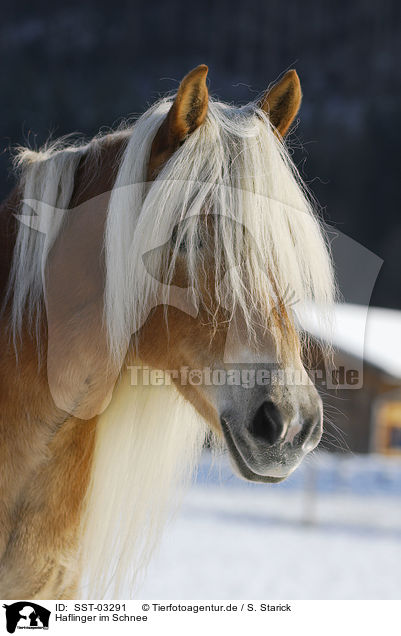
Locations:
(79, 66)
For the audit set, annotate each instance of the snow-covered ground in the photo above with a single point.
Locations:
(331, 531)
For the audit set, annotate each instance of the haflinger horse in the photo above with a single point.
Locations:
(168, 244)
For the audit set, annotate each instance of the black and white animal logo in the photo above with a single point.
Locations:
(26, 615)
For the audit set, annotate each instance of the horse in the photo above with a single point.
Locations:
(167, 246)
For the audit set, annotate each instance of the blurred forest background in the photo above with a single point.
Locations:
(79, 66)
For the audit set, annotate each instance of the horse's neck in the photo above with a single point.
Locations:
(45, 454)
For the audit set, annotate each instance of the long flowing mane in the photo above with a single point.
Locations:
(233, 166)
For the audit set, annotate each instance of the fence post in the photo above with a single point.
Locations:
(310, 494)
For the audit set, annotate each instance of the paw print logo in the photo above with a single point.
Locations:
(195, 377)
(73, 284)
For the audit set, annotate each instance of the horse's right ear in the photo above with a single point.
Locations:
(187, 113)
(283, 101)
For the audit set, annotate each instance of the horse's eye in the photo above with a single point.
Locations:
(174, 237)
(183, 246)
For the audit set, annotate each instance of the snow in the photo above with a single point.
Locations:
(370, 333)
(233, 540)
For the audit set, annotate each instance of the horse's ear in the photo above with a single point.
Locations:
(187, 113)
(282, 102)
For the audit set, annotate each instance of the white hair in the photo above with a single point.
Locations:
(47, 176)
(234, 167)
(147, 445)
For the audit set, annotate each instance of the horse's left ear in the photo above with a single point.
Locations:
(187, 113)
(282, 101)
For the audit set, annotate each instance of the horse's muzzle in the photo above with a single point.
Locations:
(267, 445)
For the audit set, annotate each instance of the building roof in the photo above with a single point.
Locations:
(372, 334)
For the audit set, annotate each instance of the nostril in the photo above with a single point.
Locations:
(267, 423)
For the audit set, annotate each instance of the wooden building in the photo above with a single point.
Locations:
(363, 413)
